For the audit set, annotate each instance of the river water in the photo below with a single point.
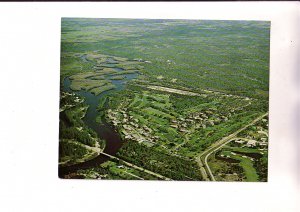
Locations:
(104, 130)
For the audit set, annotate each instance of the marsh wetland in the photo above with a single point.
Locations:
(164, 99)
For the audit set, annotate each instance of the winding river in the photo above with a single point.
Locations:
(103, 130)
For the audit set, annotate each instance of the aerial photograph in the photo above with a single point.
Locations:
(167, 99)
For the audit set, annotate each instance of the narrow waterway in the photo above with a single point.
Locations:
(104, 130)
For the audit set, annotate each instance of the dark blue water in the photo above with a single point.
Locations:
(92, 100)
(104, 130)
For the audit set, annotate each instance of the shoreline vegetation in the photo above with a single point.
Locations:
(188, 106)
(77, 142)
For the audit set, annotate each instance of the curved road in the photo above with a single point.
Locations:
(202, 158)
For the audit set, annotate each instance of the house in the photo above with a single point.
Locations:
(183, 130)
(251, 143)
(173, 121)
(239, 141)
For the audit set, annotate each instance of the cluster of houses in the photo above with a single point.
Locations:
(257, 138)
(199, 119)
(130, 127)
(248, 142)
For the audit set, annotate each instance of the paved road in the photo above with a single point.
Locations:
(136, 167)
(134, 175)
(202, 158)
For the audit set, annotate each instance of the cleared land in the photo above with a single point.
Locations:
(248, 151)
(184, 96)
(172, 90)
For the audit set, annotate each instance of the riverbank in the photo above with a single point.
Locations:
(91, 119)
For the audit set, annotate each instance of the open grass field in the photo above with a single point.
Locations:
(249, 151)
(170, 89)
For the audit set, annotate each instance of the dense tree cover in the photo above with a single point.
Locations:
(73, 133)
(72, 127)
(115, 169)
(72, 150)
(183, 102)
(67, 100)
(261, 167)
(229, 56)
(73, 117)
(167, 165)
(252, 130)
